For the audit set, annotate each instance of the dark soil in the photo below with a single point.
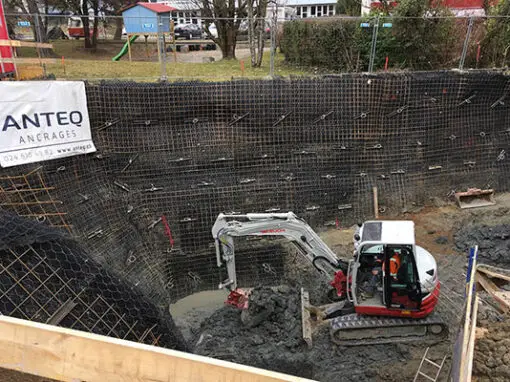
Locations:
(493, 242)
(492, 354)
(268, 335)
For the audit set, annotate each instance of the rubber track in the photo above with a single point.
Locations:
(358, 322)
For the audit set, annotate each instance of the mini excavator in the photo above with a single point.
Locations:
(400, 310)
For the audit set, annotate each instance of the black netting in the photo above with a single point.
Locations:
(45, 276)
(172, 156)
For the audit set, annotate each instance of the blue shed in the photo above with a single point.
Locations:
(144, 18)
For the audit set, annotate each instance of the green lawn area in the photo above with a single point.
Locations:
(80, 64)
(220, 70)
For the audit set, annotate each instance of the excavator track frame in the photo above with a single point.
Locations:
(355, 330)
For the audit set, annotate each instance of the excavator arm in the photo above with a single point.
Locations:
(287, 225)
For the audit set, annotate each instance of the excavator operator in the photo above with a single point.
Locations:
(379, 268)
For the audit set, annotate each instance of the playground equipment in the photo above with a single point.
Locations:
(147, 19)
(125, 48)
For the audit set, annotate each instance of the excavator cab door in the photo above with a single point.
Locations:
(401, 288)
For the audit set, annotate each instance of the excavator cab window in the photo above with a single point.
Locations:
(402, 286)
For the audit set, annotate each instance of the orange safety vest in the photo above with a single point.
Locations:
(394, 265)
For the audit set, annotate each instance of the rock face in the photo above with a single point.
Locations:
(493, 242)
(492, 354)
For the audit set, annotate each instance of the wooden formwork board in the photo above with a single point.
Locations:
(70, 355)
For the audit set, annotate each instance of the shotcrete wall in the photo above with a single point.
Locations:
(172, 156)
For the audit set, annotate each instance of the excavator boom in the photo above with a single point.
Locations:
(287, 225)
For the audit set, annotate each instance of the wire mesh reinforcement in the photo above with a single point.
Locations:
(46, 277)
(173, 156)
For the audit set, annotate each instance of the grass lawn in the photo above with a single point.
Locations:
(80, 64)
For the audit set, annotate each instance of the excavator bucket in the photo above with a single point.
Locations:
(475, 197)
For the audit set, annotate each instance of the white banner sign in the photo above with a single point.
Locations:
(43, 120)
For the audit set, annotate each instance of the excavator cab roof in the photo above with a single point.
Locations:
(389, 231)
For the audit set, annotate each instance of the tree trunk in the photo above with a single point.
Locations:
(227, 42)
(260, 53)
(85, 23)
(95, 27)
(261, 25)
(251, 34)
(38, 27)
(118, 29)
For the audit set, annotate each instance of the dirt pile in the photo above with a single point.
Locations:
(493, 242)
(268, 335)
(492, 354)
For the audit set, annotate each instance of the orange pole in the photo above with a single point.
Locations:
(242, 67)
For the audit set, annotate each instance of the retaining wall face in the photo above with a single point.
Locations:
(312, 146)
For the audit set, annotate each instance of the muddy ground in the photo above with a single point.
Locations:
(276, 344)
(272, 338)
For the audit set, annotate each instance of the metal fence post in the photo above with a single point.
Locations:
(274, 25)
(162, 48)
(466, 43)
(373, 45)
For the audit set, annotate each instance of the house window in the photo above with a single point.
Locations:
(325, 10)
(312, 11)
(319, 14)
(305, 12)
(298, 11)
(331, 10)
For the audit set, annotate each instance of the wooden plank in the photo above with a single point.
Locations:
(29, 44)
(376, 202)
(129, 46)
(23, 60)
(70, 355)
(305, 317)
(472, 339)
(502, 298)
(467, 319)
(493, 272)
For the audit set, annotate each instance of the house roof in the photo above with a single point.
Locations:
(155, 7)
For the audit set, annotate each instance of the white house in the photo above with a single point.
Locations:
(187, 11)
(312, 8)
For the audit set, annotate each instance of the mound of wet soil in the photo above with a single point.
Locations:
(493, 242)
(269, 335)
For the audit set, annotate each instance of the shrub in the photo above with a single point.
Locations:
(413, 41)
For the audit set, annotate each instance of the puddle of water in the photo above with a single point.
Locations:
(211, 299)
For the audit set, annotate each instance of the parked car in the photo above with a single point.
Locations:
(187, 31)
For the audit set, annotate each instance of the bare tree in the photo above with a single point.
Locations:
(227, 16)
(257, 11)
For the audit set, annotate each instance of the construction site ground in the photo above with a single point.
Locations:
(275, 343)
(269, 334)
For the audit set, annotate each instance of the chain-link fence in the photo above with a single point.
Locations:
(183, 45)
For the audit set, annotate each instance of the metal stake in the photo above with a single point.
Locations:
(466, 43)
(373, 46)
